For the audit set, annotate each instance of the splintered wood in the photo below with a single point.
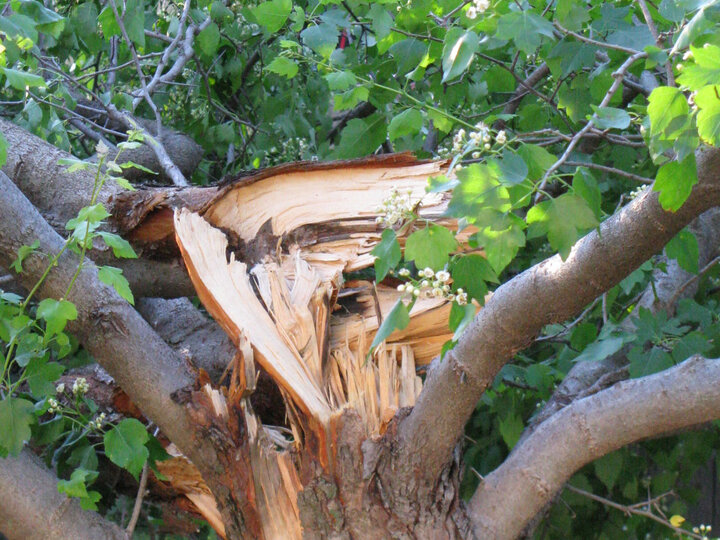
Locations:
(302, 230)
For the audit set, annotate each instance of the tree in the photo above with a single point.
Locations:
(481, 340)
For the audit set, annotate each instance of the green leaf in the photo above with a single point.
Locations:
(209, 39)
(502, 245)
(458, 51)
(16, 415)
(562, 219)
(387, 254)
(341, 80)
(113, 276)
(525, 28)
(134, 20)
(272, 15)
(23, 253)
(382, 21)
(513, 168)
(108, 23)
(708, 119)
(398, 318)
(283, 66)
(430, 247)
(666, 104)
(408, 54)
(647, 363)
(41, 376)
(3, 149)
(511, 427)
(76, 487)
(125, 445)
(585, 185)
(537, 159)
(407, 122)
(611, 118)
(684, 248)
(674, 181)
(21, 80)
(572, 56)
(362, 136)
(45, 20)
(93, 214)
(608, 469)
(460, 318)
(121, 247)
(601, 349)
(694, 28)
(321, 38)
(56, 314)
(348, 100)
(704, 70)
(470, 272)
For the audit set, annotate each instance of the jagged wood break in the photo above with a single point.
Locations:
(298, 231)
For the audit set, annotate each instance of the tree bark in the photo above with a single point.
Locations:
(33, 509)
(119, 339)
(549, 292)
(510, 496)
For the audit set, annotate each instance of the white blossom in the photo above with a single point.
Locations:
(501, 137)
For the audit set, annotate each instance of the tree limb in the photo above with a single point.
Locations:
(551, 291)
(511, 495)
(121, 341)
(33, 509)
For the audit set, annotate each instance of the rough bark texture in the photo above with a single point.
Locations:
(589, 377)
(195, 337)
(683, 396)
(33, 509)
(549, 292)
(115, 334)
(33, 165)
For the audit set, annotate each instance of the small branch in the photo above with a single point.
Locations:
(572, 324)
(586, 430)
(138, 502)
(611, 170)
(580, 37)
(658, 39)
(635, 509)
(692, 280)
(617, 83)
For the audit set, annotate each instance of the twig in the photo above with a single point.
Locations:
(182, 59)
(635, 509)
(658, 39)
(704, 270)
(618, 76)
(138, 501)
(572, 324)
(612, 170)
(580, 37)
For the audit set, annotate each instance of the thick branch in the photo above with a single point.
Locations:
(116, 335)
(552, 291)
(33, 509)
(33, 166)
(677, 398)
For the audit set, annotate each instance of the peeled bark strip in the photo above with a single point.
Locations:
(33, 509)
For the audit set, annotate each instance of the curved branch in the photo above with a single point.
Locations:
(33, 509)
(509, 497)
(551, 291)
